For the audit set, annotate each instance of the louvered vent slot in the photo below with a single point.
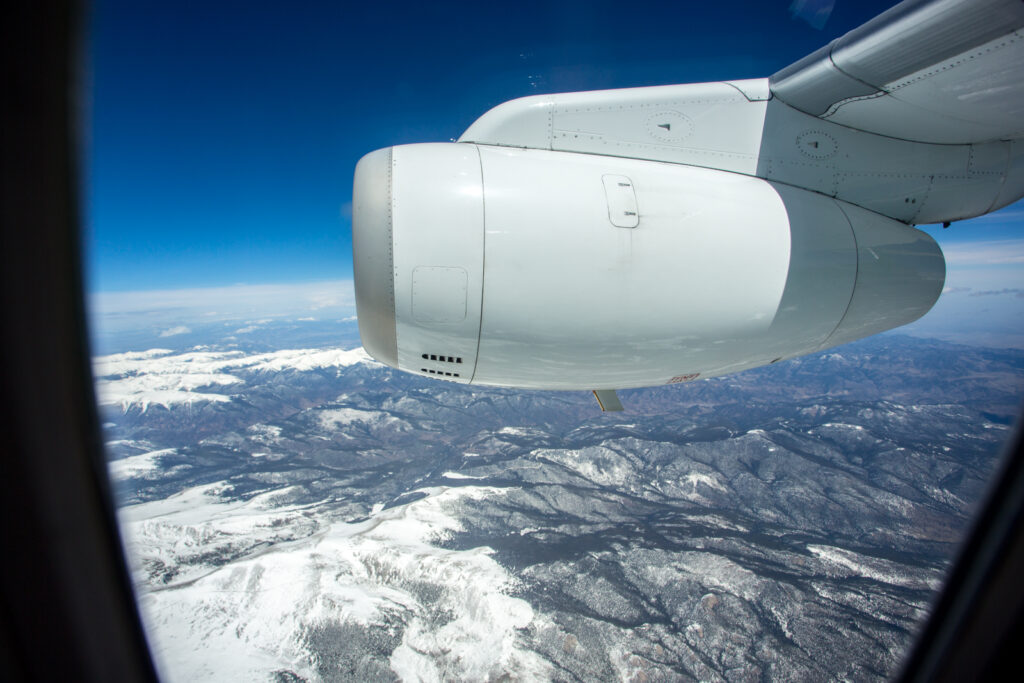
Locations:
(439, 372)
(441, 358)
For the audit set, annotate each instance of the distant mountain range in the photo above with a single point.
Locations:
(312, 515)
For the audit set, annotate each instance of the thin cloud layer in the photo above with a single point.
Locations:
(176, 330)
(987, 253)
(173, 312)
(234, 301)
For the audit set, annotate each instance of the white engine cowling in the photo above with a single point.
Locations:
(554, 270)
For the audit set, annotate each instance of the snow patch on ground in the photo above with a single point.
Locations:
(335, 418)
(310, 359)
(596, 464)
(161, 377)
(264, 433)
(945, 496)
(515, 431)
(695, 479)
(840, 562)
(165, 390)
(842, 425)
(142, 466)
(300, 571)
(460, 475)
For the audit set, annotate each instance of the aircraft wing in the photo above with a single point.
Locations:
(945, 72)
(917, 115)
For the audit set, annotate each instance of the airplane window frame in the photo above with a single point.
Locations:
(67, 607)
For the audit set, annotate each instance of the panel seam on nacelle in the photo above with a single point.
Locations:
(883, 135)
(391, 235)
(834, 108)
(856, 274)
(392, 162)
(769, 177)
(831, 50)
(1003, 176)
(717, 170)
(745, 95)
(924, 200)
(483, 260)
(551, 132)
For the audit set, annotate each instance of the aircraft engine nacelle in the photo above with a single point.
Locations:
(554, 270)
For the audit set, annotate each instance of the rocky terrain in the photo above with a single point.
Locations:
(311, 515)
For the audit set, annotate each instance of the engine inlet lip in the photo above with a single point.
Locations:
(373, 256)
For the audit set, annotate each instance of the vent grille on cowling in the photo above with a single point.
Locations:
(441, 358)
(440, 372)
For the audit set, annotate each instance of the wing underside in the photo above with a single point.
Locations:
(945, 72)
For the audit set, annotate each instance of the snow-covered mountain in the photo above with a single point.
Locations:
(312, 515)
(162, 377)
